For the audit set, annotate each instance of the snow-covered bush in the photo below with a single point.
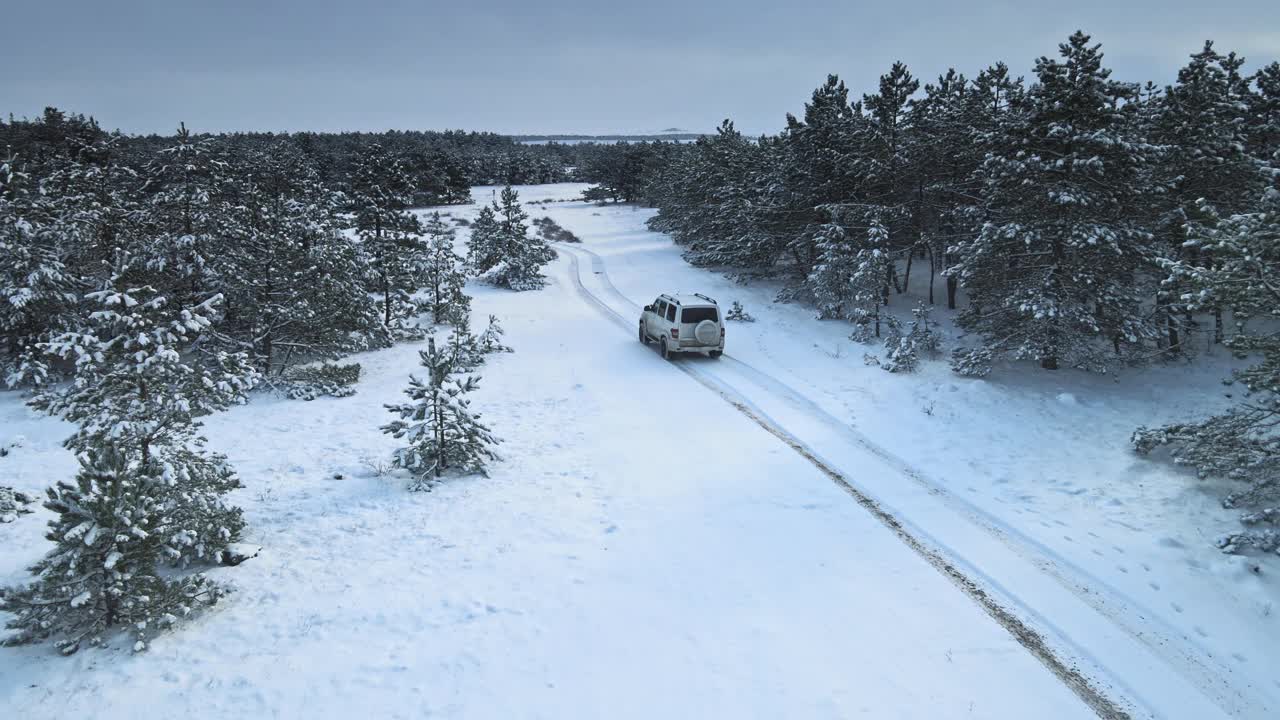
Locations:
(903, 351)
(111, 531)
(442, 431)
(737, 314)
(974, 362)
(863, 331)
(323, 380)
(13, 504)
(551, 231)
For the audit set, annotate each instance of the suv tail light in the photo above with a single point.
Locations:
(721, 331)
(675, 333)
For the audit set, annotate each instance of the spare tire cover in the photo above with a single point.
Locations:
(707, 333)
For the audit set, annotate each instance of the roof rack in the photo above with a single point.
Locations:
(704, 297)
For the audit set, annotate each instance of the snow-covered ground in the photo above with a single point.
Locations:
(647, 549)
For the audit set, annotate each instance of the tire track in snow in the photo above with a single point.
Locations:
(1124, 611)
(1028, 637)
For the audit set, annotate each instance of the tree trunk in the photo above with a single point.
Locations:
(952, 286)
(386, 300)
(906, 276)
(932, 272)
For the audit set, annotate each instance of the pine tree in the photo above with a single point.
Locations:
(483, 246)
(870, 278)
(1201, 122)
(294, 285)
(1241, 444)
(1054, 272)
(886, 164)
(442, 431)
(464, 348)
(139, 390)
(382, 192)
(831, 280)
(38, 293)
(521, 255)
(443, 277)
(111, 530)
(710, 203)
(490, 340)
(1264, 119)
(186, 215)
(903, 350)
(814, 178)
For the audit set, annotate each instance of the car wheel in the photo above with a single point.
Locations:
(666, 354)
(715, 354)
(644, 339)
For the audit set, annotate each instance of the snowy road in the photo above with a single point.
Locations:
(1122, 647)
(1102, 642)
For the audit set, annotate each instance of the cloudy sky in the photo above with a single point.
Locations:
(544, 66)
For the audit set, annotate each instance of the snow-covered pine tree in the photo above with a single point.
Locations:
(521, 255)
(738, 314)
(464, 348)
(710, 201)
(38, 293)
(885, 164)
(831, 280)
(995, 107)
(112, 528)
(1242, 443)
(442, 431)
(382, 191)
(813, 173)
(1264, 119)
(1054, 273)
(1201, 122)
(490, 340)
(870, 280)
(483, 246)
(187, 216)
(139, 389)
(443, 277)
(903, 350)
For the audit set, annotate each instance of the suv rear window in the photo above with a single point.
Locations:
(696, 315)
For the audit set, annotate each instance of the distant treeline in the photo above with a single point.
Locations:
(443, 164)
(668, 137)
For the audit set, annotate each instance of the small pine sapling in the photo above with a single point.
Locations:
(903, 350)
(464, 348)
(737, 314)
(491, 339)
(442, 431)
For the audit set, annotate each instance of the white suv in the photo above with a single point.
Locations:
(683, 323)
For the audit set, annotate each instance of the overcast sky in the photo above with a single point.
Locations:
(551, 66)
